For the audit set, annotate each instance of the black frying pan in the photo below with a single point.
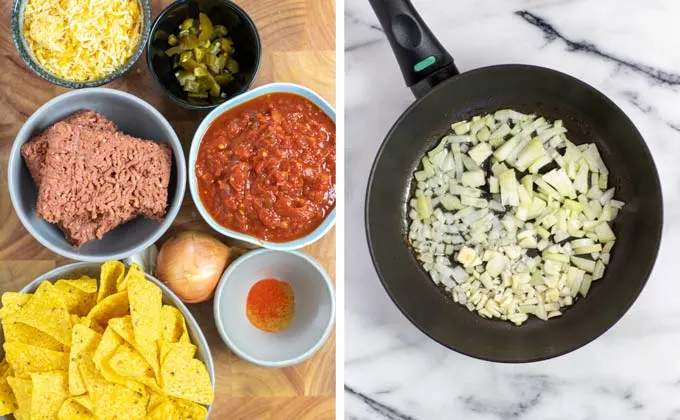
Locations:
(445, 96)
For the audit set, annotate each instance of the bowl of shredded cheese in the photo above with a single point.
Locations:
(80, 43)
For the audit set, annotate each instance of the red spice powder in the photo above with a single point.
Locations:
(270, 305)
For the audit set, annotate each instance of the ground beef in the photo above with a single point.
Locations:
(93, 178)
(35, 150)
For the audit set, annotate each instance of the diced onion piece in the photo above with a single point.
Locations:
(473, 178)
(604, 233)
(508, 183)
(480, 153)
(560, 181)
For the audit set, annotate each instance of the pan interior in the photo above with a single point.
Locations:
(589, 117)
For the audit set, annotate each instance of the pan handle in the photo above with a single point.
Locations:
(423, 60)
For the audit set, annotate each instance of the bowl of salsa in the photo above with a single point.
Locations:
(262, 167)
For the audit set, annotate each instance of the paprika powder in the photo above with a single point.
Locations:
(270, 305)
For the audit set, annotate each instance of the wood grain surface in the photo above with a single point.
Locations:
(298, 38)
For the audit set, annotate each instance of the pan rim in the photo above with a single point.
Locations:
(656, 239)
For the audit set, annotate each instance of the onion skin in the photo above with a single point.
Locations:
(191, 264)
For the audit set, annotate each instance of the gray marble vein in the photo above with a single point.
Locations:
(630, 51)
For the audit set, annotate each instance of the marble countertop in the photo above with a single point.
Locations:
(628, 49)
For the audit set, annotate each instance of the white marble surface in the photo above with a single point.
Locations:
(630, 50)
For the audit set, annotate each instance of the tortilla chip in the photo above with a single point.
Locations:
(184, 377)
(164, 411)
(107, 346)
(24, 358)
(72, 409)
(84, 400)
(173, 326)
(80, 320)
(18, 332)
(127, 362)
(22, 390)
(50, 390)
(113, 306)
(115, 378)
(188, 410)
(135, 271)
(123, 327)
(108, 399)
(145, 309)
(12, 302)
(75, 300)
(92, 379)
(84, 341)
(155, 399)
(111, 400)
(46, 312)
(110, 275)
(8, 403)
(85, 284)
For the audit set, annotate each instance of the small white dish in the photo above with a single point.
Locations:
(314, 307)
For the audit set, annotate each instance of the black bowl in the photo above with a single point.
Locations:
(241, 28)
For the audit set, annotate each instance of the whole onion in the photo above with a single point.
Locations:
(191, 263)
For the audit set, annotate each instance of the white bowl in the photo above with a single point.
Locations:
(314, 307)
(308, 94)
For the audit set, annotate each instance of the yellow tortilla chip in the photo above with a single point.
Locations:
(127, 362)
(113, 306)
(145, 309)
(184, 377)
(134, 272)
(173, 326)
(107, 346)
(155, 399)
(85, 284)
(80, 320)
(123, 327)
(24, 358)
(84, 400)
(12, 302)
(84, 341)
(72, 409)
(8, 403)
(188, 410)
(46, 312)
(22, 333)
(50, 390)
(115, 378)
(22, 389)
(110, 275)
(110, 401)
(75, 300)
(163, 411)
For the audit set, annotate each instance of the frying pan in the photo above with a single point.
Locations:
(443, 97)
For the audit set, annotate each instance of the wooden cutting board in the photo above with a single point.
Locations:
(298, 41)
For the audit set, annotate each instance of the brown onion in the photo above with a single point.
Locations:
(191, 263)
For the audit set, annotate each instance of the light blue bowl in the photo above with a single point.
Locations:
(328, 222)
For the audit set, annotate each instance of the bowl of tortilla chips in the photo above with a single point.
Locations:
(91, 340)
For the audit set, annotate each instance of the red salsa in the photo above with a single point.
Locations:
(267, 167)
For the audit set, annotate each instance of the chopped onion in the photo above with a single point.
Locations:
(511, 217)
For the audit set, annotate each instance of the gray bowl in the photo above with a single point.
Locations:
(133, 116)
(27, 55)
(75, 270)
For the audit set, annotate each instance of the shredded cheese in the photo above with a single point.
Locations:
(82, 40)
